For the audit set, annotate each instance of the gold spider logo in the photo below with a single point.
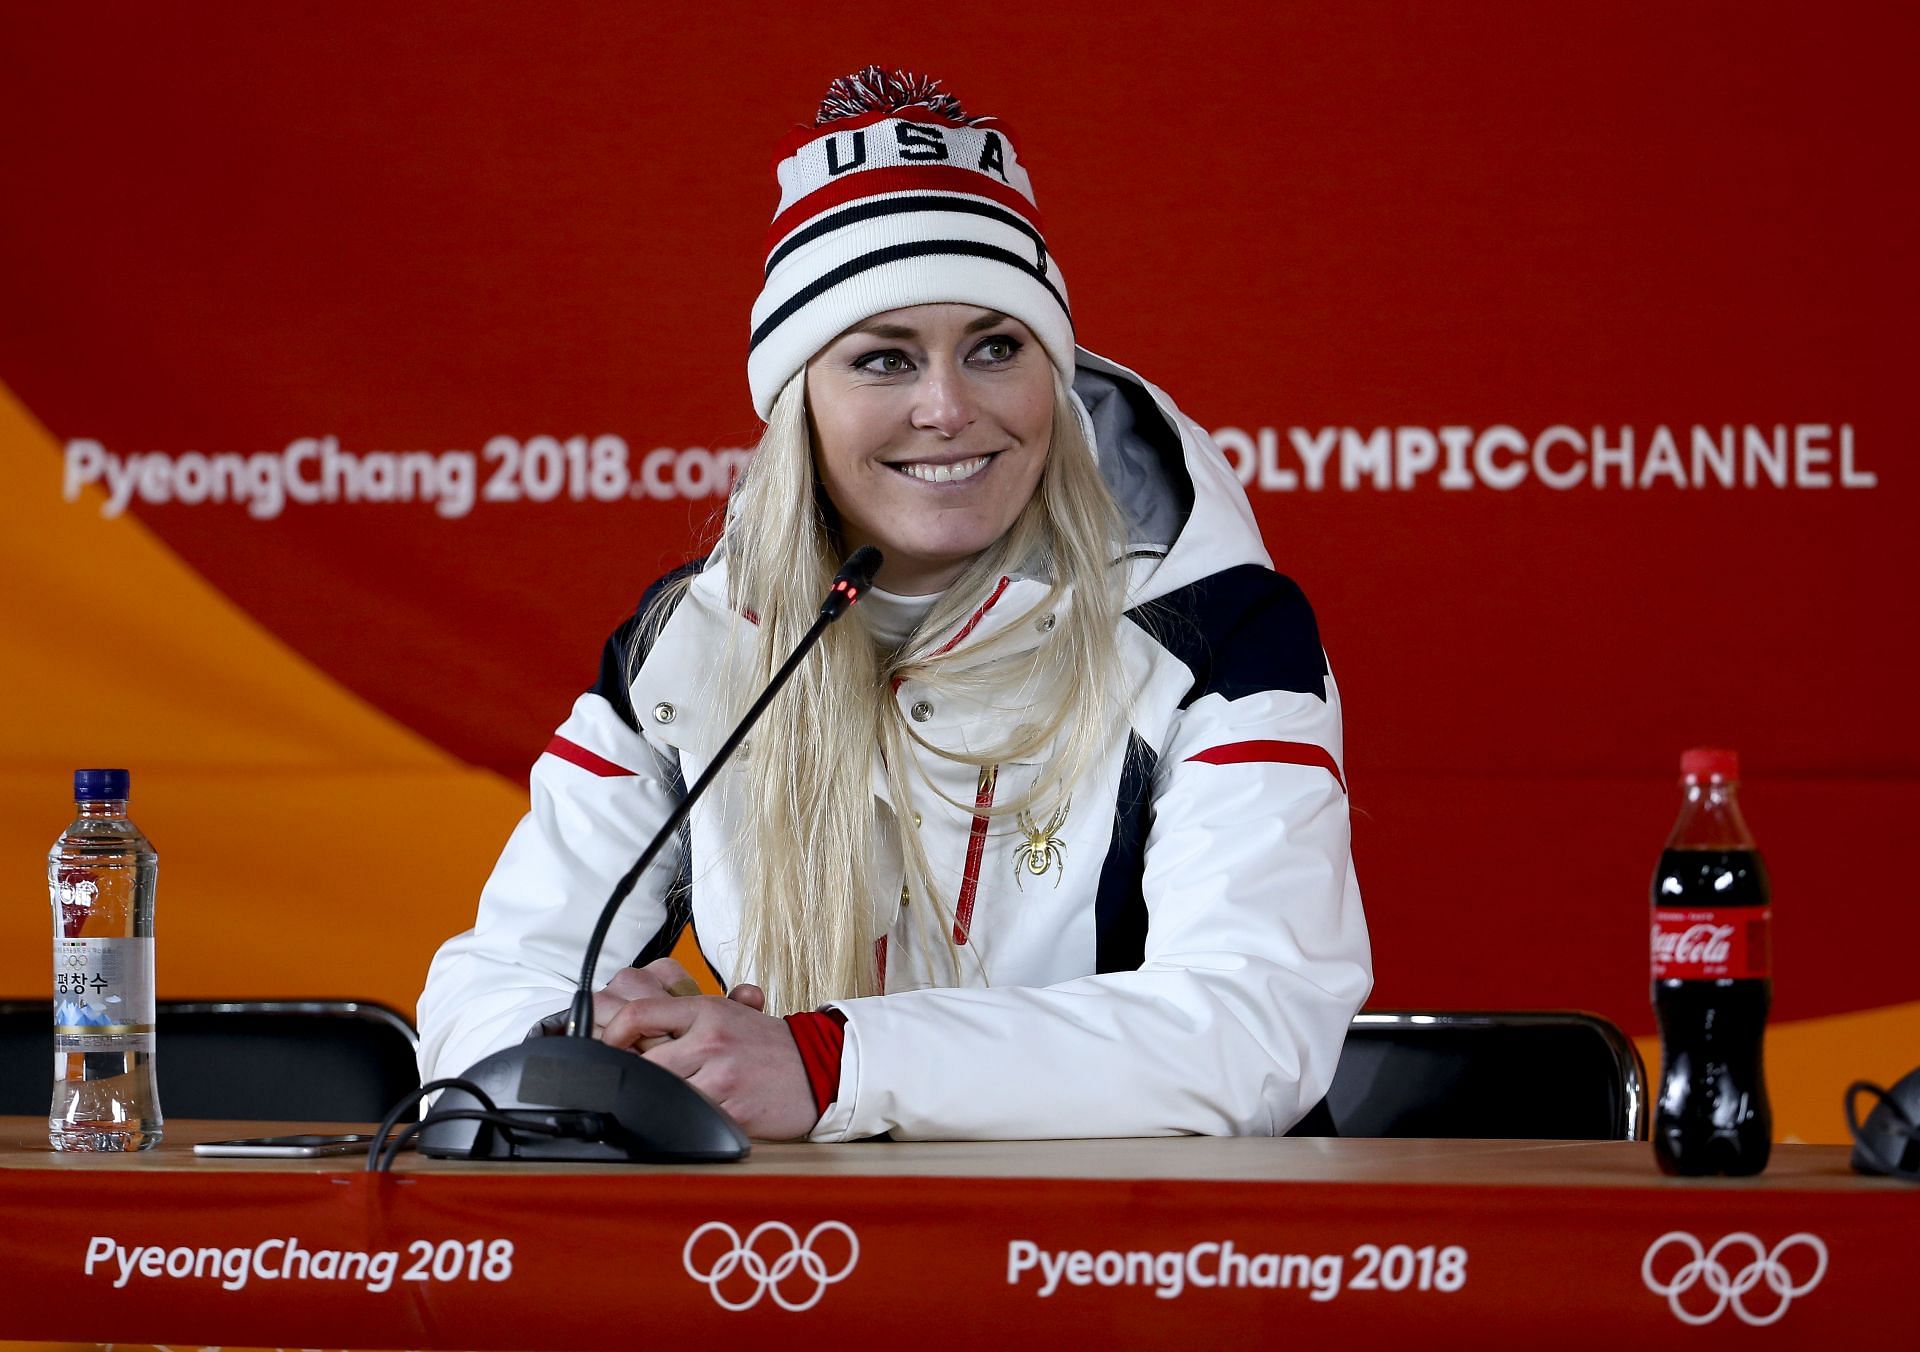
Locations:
(1042, 848)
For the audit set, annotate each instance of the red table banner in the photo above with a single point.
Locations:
(1479, 1243)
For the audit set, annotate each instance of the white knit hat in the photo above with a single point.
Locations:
(896, 197)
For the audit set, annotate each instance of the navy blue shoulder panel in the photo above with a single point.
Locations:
(1240, 631)
(625, 649)
(622, 655)
(1120, 906)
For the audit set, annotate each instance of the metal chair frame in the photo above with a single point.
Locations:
(1628, 1069)
(369, 1010)
(381, 1021)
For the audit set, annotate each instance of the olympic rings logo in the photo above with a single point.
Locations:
(769, 1273)
(1729, 1288)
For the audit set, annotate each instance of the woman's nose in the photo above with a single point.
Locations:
(943, 404)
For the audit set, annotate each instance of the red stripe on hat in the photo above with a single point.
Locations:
(898, 178)
(1283, 753)
(585, 759)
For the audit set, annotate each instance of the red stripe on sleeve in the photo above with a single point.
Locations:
(821, 1039)
(1284, 753)
(576, 754)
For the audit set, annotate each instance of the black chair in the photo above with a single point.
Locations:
(265, 1060)
(1543, 1074)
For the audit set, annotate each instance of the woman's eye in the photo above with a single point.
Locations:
(884, 363)
(999, 348)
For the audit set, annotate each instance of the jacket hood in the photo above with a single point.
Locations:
(1186, 511)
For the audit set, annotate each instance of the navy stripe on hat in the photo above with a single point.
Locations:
(893, 206)
(893, 253)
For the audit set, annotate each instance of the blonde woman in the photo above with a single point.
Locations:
(1050, 838)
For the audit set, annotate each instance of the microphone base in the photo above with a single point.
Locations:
(614, 1106)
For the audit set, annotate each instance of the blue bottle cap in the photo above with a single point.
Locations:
(94, 786)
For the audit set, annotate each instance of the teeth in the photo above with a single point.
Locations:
(942, 474)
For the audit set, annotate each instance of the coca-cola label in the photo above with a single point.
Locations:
(1691, 944)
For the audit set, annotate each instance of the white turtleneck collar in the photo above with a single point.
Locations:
(891, 618)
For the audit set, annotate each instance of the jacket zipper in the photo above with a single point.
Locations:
(976, 851)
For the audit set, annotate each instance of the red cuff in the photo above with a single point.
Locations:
(820, 1036)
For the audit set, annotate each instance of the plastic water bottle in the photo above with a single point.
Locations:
(101, 875)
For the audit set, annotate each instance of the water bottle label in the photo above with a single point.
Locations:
(102, 995)
(1694, 944)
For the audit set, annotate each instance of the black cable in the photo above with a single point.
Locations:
(412, 1097)
(493, 1116)
(1866, 1144)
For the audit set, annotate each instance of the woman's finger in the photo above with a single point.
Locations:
(635, 983)
(671, 974)
(680, 1055)
(658, 1016)
(605, 1006)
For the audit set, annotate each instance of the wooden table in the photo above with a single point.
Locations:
(1008, 1244)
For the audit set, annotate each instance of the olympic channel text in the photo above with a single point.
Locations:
(314, 471)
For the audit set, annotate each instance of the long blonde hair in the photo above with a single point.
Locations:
(817, 858)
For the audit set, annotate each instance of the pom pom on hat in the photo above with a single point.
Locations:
(896, 196)
(884, 91)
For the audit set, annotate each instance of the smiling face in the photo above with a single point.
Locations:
(930, 428)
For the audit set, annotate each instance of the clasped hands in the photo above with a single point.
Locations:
(727, 1047)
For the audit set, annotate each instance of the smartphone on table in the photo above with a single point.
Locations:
(303, 1147)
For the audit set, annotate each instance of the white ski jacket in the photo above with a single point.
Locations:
(1180, 954)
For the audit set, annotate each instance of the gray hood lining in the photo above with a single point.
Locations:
(1139, 454)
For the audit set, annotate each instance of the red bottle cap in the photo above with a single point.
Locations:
(1710, 763)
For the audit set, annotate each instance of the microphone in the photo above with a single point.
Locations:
(853, 579)
(576, 1098)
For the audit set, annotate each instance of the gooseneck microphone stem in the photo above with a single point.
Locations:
(580, 1017)
(855, 576)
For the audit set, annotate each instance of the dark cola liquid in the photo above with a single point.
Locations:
(1711, 1114)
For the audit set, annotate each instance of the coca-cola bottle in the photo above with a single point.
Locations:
(1712, 980)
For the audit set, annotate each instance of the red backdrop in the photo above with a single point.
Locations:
(1336, 233)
